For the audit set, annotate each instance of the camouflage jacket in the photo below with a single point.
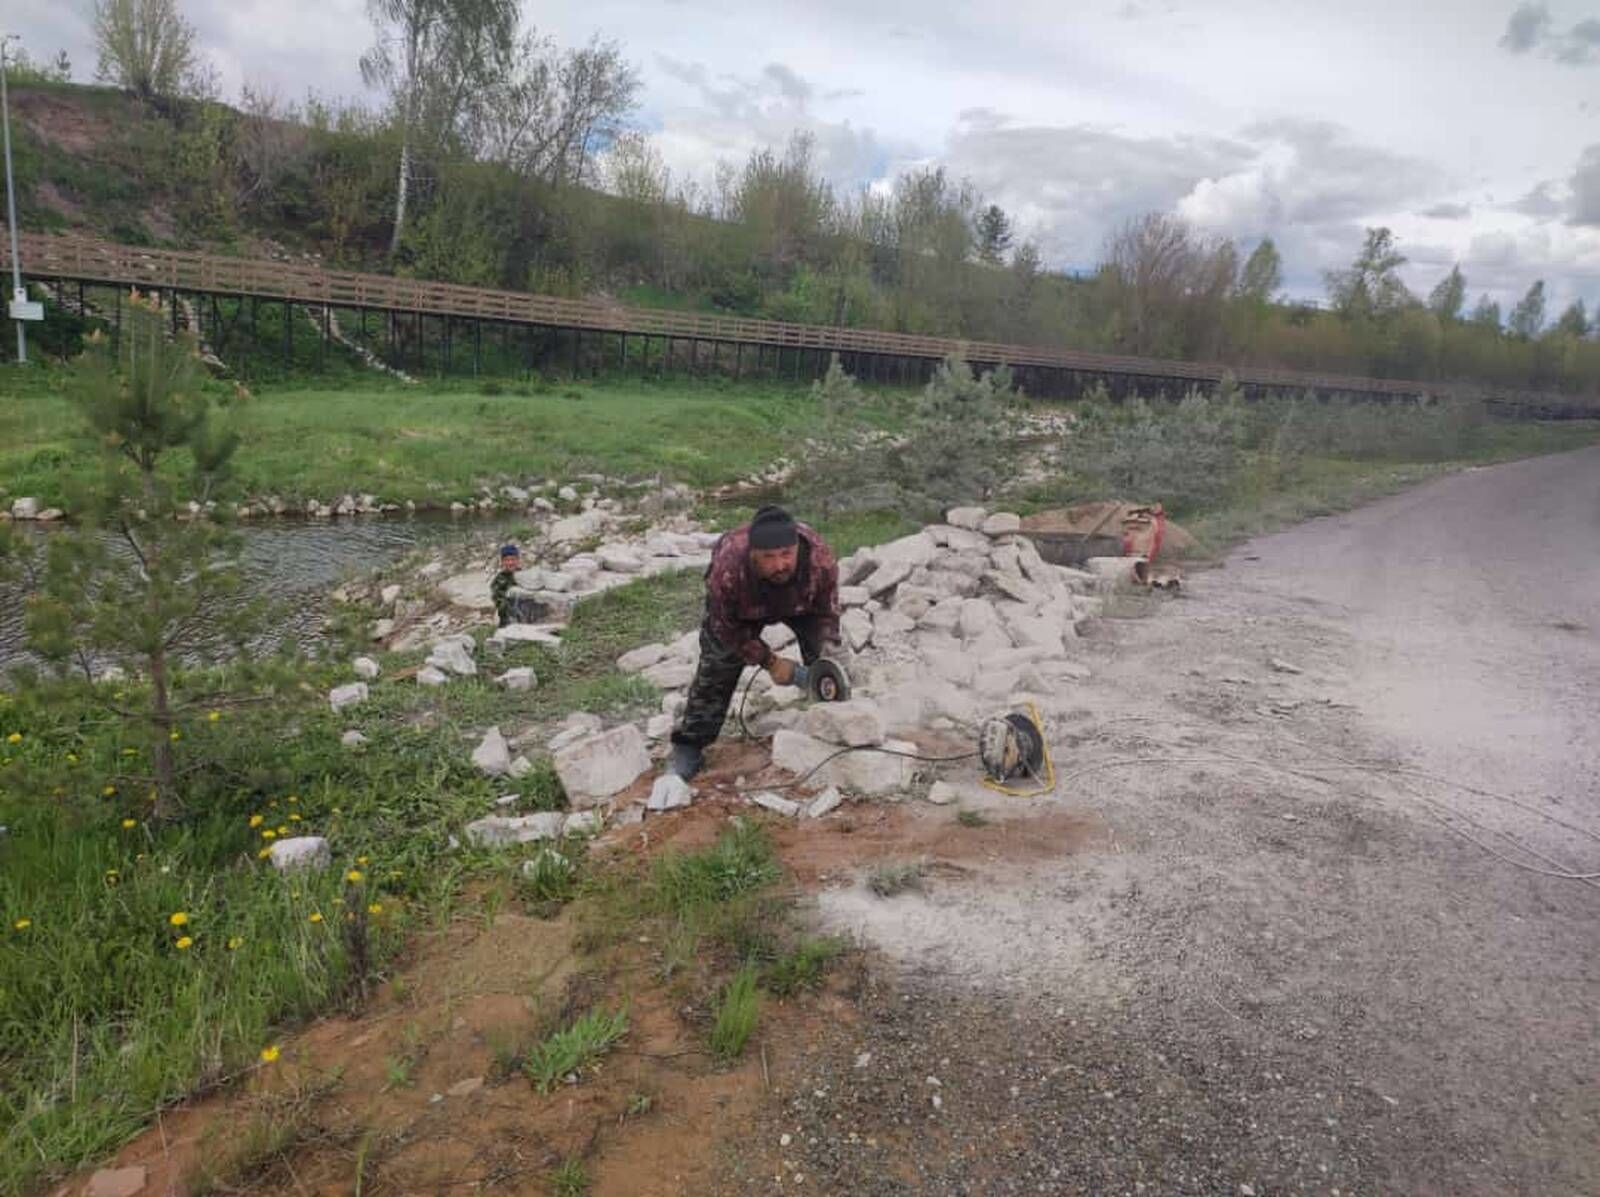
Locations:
(500, 592)
(739, 605)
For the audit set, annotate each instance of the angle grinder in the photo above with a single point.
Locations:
(824, 679)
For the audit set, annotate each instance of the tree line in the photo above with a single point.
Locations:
(498, 157)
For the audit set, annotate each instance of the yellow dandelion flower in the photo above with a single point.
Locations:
(235, 942)
(111, 876)
(213, 716)
(269, 834)
(174, 736)
(72, 758)
(22, 924)
(353, 876)
(361, 860)
(130, 752)
(256, 820)
(374, 907)
(129, 824)
(109, 791)
(315, 916)
(264, 853)
(178, 918)
(184, 943)
(294, 818)
(269, 1054)
(294, 798)
(14, 738)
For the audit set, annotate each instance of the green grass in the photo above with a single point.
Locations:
(737, 1015)
(571, 1179)
(971, 818)
(574, 1048)
(435, 443)
(803, 968)
(740, 862)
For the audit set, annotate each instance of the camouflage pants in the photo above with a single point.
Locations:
(717, 676)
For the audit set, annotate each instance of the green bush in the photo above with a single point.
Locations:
(1187, 455)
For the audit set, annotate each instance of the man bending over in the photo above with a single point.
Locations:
(772, 570)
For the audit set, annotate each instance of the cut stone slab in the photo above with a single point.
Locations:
(26, 508)
(428, 675)
(469, 590)
(914, 601)
(300, 852)
(492, 755)
(869, 773)
(824, 803)
(390, 594)
(521, 766)
(960, 540)
(452, 656)
(351, 695)
(914, 550)
(854, 723)
(942, 793)
(776, 803)
(670, 675)
(945, 617)
(1001, 523)
(494, 830)
(853, 596)
(116, 1182)
(352, 739)
(658, 727)
(619, 560)
(967, 517)
(890, 625)
(856, 627)
(521, 678)
(526, 633)
(1015, 586)
(642, 657)
(577, 527)
(583, 822)
(886, 577)
(382, 629)
(366, 668)
(1035, 631)
(977, 617)
(596, 768)
(670, 792)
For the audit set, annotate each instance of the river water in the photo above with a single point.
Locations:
(297, 562)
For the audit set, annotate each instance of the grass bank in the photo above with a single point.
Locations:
(111, 1005)
(437, 443)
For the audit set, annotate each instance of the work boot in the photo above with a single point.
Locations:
(687, 760)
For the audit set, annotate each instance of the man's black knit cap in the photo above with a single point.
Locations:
(773, 528)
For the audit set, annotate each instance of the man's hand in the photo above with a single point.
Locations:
(782, 671)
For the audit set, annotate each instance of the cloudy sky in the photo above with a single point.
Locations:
(1470, 127)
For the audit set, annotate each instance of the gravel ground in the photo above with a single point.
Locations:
(1280, 967)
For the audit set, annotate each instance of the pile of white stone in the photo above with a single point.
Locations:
(571, 576)
(942, 628)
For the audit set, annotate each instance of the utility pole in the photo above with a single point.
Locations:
(19, 297)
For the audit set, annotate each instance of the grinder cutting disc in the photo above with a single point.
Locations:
(1010, 747)
(829, 681)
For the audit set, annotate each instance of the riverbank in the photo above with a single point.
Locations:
(435, 445)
